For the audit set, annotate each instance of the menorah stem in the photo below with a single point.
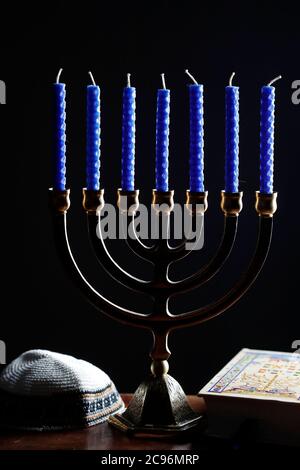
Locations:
(160, 352)
(159, 405)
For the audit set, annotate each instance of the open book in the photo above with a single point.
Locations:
(262, 387)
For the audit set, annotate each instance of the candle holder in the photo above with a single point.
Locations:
(159, 406)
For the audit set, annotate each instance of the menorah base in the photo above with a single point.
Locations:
(159, 406)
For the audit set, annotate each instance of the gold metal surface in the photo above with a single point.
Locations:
(159, 368)
(231, 203)
(59, 200)
(196, 202)
(128, 201)
(163, 201)
(266, 204)
(93, 200)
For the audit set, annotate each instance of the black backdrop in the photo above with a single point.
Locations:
(40, 308)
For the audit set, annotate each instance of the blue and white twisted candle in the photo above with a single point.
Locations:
(59, 138)
(231, 138)
(196, 136)
(267, 121)
(162, 138)
(128, 137)
(93, 136)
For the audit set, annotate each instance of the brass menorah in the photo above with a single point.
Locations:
(159, 406)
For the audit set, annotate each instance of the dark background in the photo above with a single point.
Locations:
(40, 308)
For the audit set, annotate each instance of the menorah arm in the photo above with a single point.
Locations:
(196, 204)
(214, 265)
(162, 206)
(59, 202)
(266, 207)
(134, 243)
(231, 205)
(128, 204)
(111, 267)
(161, 248)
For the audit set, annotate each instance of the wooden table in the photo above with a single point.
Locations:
(38, 447)
(99, 437)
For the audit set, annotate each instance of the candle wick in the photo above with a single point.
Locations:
(231, 78)
(92, 78)
(128, 80)
(274, 80)
(163, 80)
(58, 75)
(191, 76)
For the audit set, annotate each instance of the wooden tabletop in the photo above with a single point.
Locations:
(99, 437)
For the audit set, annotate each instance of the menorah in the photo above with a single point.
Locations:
(159, 406)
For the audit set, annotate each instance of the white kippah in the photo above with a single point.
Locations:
(48, 390)
(40, 372)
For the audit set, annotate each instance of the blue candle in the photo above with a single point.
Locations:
(196, 136)
(162, 138)
(128, 137)
(267, 119)
(231, 138)
(93, 136)
(59, 144)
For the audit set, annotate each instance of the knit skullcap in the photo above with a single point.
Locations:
(44, 390)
